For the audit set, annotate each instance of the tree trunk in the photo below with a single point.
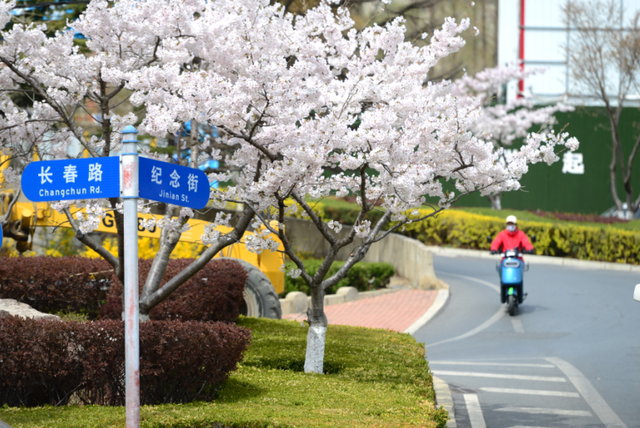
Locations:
(494, 198)
(314, 358)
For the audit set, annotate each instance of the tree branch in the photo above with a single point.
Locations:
(89, 242)
(231, 238)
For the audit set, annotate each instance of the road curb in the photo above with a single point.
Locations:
(443, 398)
(535, 259)
(441, 299)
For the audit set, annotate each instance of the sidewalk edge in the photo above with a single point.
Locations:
(443, 398)
(441, 299)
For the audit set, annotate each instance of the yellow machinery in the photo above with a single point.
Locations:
(260, 298)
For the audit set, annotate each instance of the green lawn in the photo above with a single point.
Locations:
(375, 378)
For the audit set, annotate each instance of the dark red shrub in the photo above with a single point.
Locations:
(212, 294)
(45, 362)
(51, 284)
(39, 362)
(590, 218)
(77, 284)
(184, 361)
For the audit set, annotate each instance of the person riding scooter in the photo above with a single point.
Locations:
(513, 242)
(511, 238)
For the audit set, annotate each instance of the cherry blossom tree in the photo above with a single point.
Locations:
(296, 96)
(502, 121)
(48, 81)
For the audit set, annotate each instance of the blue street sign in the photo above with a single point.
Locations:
(173, 184)
(58, 180)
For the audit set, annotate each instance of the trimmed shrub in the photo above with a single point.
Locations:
(46, 362)
(90, 286)
(38, 362)
(466, 230)
(363, 275)
(56, 284)
(212, 294)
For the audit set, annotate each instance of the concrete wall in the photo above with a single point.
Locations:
(411, 258)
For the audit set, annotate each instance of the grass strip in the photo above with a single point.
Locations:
(373, 378)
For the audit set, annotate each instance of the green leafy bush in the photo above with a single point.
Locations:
(364, 276)
(463, 229)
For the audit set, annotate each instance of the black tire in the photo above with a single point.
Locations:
(260, 298)
(512, 305)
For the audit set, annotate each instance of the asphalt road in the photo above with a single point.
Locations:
(570, 357)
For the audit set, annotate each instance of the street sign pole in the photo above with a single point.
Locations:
(129, 180)
(97, 178)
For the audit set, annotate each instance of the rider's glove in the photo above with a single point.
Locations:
(494, 252)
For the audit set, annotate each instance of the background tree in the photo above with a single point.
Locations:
(604, 60)
(426, 16)
(54, 14)
(50, 90)
(502, 121)
(297, 96)
(303, 96)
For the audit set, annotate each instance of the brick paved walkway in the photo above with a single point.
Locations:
(394, 311)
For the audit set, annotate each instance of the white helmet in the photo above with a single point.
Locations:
(512, 219)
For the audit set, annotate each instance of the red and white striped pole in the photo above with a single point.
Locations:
(521, 82)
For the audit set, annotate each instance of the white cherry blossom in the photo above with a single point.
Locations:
(309, 108)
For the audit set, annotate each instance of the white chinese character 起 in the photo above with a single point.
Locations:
(572, 163)
(95, 172)
(193, 183)
(174, 183)
(155, 175)
(45, 175)
(70, 174)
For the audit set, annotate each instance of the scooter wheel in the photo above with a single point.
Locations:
(512, 305)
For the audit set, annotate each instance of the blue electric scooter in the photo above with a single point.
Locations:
(511, 270)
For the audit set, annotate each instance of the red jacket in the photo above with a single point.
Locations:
(510, 240)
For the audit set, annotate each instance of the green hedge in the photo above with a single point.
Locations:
(363, 276)
(373, 378)
(462, 229)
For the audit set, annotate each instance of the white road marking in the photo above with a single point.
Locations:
(469, 278)
(476, 330)
(475, 411)
(591, 396)
(542, 411)
(482, 326)
(532, 392)
(499, 376)
(472, 363)
(517, 325)
(523, 426)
